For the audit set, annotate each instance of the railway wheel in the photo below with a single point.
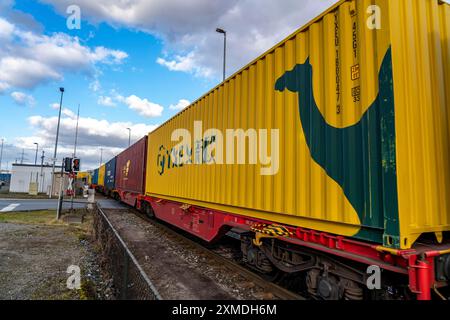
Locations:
(148, 210)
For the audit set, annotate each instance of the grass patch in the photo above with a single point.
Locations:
(34, 217)
(47, 217)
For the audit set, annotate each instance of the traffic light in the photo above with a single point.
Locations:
(67, 164)
(76, 165)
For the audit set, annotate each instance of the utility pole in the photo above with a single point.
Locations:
(76, 133)
(22, 156)
(1, 156)
(42, 170)
(60, 194)
(101, 156)
(56, 142)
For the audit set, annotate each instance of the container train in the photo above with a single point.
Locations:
(328, 154)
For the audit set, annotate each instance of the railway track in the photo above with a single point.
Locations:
(250, 276)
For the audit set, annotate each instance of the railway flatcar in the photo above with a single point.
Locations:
(328, 155)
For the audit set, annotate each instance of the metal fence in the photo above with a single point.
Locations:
(130, 280)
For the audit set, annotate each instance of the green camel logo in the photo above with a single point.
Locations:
(360, 158)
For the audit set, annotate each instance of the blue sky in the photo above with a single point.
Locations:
(132, 64)
(138, 74)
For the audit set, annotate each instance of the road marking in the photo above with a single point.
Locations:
(11, 207)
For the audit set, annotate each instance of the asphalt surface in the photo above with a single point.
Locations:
(15, 205)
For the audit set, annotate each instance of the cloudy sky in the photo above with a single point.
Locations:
(132, 64)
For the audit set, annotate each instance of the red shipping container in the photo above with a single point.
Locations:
(130, 172)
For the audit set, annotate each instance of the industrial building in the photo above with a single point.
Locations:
(22, 175)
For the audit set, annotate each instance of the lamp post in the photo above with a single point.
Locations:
(224, 50)
(129, 136)
(56, 142)
(35, 157)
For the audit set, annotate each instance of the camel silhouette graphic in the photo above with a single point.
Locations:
(360, 158)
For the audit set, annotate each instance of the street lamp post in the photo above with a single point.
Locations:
(129, 136)
(224, 50)
(35, 157)
(42, 171)
(56, 142)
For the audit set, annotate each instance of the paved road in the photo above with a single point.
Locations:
(9, 205)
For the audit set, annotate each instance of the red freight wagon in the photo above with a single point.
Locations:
(130, 172)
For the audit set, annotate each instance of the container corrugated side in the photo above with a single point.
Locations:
(346, 127)
(95, 177)
(84, 175)
(110, 174)
(130, 168)
(101, 175)
(420, 32)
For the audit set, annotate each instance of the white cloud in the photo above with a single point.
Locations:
(54, 105)
(28, 59)
(187, 28)
(182, 104)
(186, 63)
(23, 99)
(68, 113)
(143, 106)
(6, 29)
(95, 85)
(3, 87)
(93, 134)
(108, 56)
(25, 73)
(106, 101)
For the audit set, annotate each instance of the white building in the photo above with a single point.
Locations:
(24, 174)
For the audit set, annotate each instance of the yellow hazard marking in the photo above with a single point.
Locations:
(269, 231)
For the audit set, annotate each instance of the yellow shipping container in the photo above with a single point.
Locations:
(85, 175)
(346, 129)
(101, 175)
